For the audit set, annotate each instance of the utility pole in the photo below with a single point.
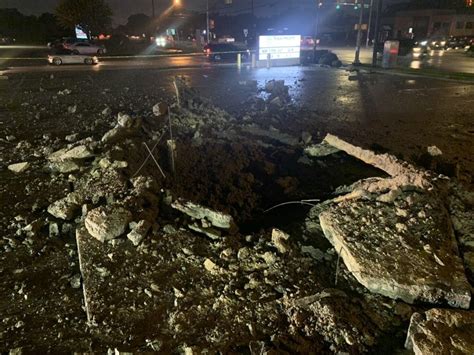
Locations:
(152, 8)
(207, 21)
(359, 35)
(316, 26)
(376, 30)
(370, 23)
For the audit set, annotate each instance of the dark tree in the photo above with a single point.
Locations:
(138, 24)
(95, 15)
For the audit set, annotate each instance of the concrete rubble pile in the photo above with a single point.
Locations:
(163, 273)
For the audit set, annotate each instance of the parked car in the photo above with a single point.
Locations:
(6, 40)
(66, 56)
(224, 52)
(85, 48)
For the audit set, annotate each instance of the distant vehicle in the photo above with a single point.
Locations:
(456, 42)
(470, 50)
(307, 43)
(6, 40)
(85, 48)
(224, 52)
(66, 56)
(59, 43)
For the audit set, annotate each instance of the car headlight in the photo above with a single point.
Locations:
(424, 43)
(443, 43)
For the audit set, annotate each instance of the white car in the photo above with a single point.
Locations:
(66, 56)
(85, 48)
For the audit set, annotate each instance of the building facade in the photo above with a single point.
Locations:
(433, 23)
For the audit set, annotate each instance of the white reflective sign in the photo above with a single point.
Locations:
(279, 47)
(80, 34)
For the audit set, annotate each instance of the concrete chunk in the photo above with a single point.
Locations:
(217, 219)
(19, 167)
(106, 223)
(79, 152)
(419, 262)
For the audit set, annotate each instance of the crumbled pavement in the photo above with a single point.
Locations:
(139, 262)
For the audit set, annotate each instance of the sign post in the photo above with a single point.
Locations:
(283, 50)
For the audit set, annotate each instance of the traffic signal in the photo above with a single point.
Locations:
(338, 7)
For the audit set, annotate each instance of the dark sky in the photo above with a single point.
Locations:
(124, 8)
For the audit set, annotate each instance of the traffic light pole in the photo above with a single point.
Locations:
(207, 20)
(359, 35)
(376, 31)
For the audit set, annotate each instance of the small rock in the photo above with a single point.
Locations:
(106, 111)
(279, 240)
(139, 231)
(210, 266)
(124, 120)
(19, 167)
(72, 109)
(160, 109)
(434, 151)
(72, 137)
(75, 281)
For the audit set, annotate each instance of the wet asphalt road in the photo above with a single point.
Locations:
(403, 114)
(448, 61)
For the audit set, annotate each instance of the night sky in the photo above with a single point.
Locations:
(124, 8)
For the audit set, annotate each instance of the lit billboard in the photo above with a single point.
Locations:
(279, 47)
(80, 34)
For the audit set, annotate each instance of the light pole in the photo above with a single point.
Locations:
(359, 35)
(376, 29)
(370, 22)
(207, 20)
(152, 8)
(318, 9)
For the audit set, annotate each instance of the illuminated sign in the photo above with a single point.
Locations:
(80, 34)
(279, 47)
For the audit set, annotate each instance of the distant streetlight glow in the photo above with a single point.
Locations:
(177, 2)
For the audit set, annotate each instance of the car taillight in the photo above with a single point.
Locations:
(208, 50)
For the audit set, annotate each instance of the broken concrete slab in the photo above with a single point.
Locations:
(19, 167)
(411, 256)
(106, 223)
(79, 152)
(216, 218)
(441, 331)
